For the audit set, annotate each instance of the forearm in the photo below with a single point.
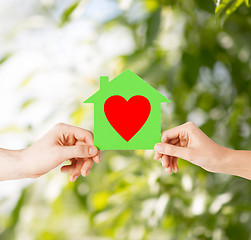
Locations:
(10, 164)
(238, 163)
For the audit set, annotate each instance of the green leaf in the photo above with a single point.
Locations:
(26, 81)
(221, 6)
(27, 103)
(224, 4)
(153, 25)
(10, 128)
(206, 5)
(234, 6)
(66, 16)
(228, 6)
(4, 58)
(151, 5)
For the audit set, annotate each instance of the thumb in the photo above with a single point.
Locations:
(79, 151)
(174, 151)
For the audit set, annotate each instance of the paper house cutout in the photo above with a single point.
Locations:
(115, 94)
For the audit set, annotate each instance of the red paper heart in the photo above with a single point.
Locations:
(127, 117)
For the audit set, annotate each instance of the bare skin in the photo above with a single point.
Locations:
(61, 143)
(188, 142)
(65, 142)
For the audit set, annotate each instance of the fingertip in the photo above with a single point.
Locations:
(165, 164)
(158, 147)
(97, 158)
(86, 167)
(165, 161)
(93, 151)
(73, 178)
(175, 165)
(157, 156)
(169, 170)
(85, 173)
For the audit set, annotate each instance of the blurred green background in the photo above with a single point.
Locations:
(196, 52)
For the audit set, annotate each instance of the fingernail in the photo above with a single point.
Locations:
(168, 170)
(97, 159)
(85, 173)
(162, 163)
(74, 179)
(92, 150)
(158, 148)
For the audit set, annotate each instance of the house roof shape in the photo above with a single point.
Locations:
(128, 79)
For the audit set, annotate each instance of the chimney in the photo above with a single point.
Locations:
(103, 81)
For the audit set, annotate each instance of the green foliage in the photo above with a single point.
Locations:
(226, 7)
(4, 58)
(66, 16)
(153, 25)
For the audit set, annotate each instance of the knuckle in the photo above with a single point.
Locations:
(190, 124)
(59, 125)
(165, 132)
(90, 134)
(163, 135)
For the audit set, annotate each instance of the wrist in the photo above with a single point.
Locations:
(17, 164)
(24, 163)
(11, 166)
(227, 161)
(238, 163)
(21, 163)
(222, 161)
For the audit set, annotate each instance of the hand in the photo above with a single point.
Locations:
(188, 142)
(61, 143)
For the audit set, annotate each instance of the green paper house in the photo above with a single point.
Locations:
(127, 113)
